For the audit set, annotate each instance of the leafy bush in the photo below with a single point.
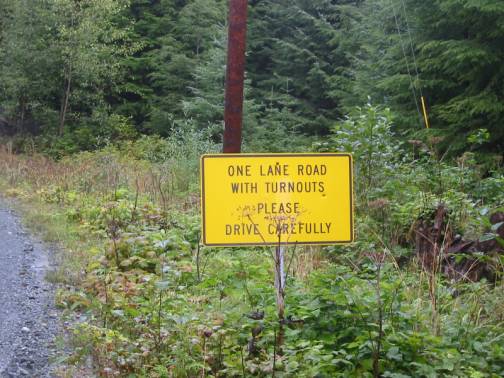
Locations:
(367, 134)
(154, 302)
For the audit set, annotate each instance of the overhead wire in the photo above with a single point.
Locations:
(422, 97)
(368, 26)
(412, 84)
(413, 54)
(415, 84)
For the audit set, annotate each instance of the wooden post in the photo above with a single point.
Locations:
(235, 76)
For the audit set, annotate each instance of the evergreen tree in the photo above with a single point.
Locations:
(176, 34)
(461, 63)
(456, 47)
(309, 62)
(152, 21)
(295, 53)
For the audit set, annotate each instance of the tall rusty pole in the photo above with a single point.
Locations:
(235, 76)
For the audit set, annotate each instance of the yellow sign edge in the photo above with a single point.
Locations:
(266, 244)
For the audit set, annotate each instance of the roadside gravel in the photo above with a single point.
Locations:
(29, 321)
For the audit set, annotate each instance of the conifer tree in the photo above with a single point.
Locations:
(448, 51)
(461, 50)
(295, 51)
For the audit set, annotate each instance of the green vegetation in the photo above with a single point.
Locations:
(79, 75)
(154, 302)
(106, 107)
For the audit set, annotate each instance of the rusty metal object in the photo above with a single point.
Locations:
(235, 76)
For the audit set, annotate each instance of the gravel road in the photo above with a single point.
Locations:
(28, 318)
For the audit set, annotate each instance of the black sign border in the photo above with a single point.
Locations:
(217, 156)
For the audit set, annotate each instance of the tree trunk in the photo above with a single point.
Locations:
(65, 101)
(22, 113)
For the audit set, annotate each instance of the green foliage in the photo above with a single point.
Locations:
(160, 64)
(60, 63)
(466, 52)
(154, 302)
(27, 67)
(100, 75)
(296, 60)
(178, 36)
(456, 49)
(177, 156)
(367, 134)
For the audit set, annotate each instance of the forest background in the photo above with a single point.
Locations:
(78, 75)
(107, 105)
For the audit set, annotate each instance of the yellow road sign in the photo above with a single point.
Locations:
(264, 199)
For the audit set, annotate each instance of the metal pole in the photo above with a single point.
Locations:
(235, 76)
(280, 280)
(280, 295)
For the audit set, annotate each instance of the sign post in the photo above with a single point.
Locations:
(277, 199)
